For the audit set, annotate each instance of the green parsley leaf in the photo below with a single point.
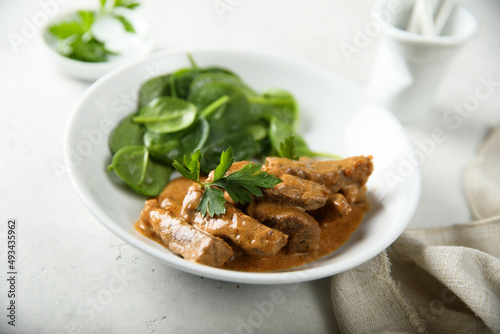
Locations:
(132, 5)
(126, 23)
(126, 3)
(248, 180)
(213, 201)
(287, 148)
(66, 29)
(240, 185)
(192, 169)
(86, 19)
(76, 40)
(226, 160)
(89, 51)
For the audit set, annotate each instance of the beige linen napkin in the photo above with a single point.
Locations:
(440, 280)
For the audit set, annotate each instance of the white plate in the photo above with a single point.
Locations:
(337, 117)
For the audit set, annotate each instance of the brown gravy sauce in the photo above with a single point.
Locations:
(334, 233)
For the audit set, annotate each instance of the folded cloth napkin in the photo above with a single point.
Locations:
(440, 280)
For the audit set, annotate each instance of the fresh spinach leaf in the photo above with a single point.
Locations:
(167, 147)
(229, 79)
(133, 165)
(245, 147)
(277, 103)
(166, 114)
(279, 132)
(214, 106)
(233, 114)
(126, 133)
(258, 130)
(155, 87)
(216, 69)
(183, 79)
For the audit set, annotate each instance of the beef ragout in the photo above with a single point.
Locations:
(311, 213)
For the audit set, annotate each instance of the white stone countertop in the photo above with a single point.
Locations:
(75, 276)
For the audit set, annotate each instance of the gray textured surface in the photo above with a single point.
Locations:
(77, 277)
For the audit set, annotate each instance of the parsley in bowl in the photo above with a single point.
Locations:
(88, 43)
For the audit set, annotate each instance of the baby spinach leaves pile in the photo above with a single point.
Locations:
(75, 37)
(205, 109)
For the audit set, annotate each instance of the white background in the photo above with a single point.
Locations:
(77, 277)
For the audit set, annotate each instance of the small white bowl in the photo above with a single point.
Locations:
(143, 44)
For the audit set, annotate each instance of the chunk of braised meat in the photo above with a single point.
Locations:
(303, 230)
(244, 231)
(355, 194)
(171, 195)
(189, 206)
(182, 238)
(294, 191)
(336, 206)
(339, 204)
(347, 176)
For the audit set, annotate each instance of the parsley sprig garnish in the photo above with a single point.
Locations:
(287, 149)
(240, 185)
